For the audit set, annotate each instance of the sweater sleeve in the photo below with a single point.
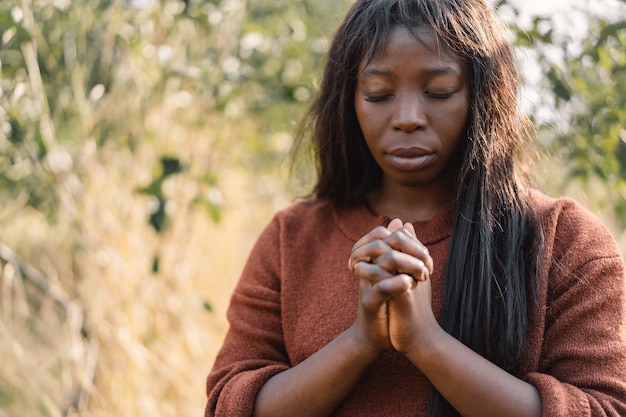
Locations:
(253, 350)
(582, 369)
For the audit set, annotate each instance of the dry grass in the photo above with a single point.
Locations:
(86, 327)
(123, 341)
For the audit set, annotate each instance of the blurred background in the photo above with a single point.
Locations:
(145, 143)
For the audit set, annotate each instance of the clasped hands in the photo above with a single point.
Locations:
(393, 268)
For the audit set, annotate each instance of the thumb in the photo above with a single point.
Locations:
(394, 225)
(409, 227)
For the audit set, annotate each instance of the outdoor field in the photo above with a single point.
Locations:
(145, 144)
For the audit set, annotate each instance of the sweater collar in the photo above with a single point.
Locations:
(356, 220)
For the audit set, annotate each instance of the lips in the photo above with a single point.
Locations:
(409, 159)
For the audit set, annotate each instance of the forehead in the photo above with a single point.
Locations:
(402, 41)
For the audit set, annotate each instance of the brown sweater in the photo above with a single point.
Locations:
(296, 294)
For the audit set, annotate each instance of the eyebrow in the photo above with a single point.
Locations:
(386, 72)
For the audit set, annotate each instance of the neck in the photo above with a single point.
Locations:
(409, 204)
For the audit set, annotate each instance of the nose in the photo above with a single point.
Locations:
(409, 113)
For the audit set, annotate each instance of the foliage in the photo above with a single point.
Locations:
(86, 74)
(595, 91)
(121, 123)
(586, 130)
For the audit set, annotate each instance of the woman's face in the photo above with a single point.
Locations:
(412, 104)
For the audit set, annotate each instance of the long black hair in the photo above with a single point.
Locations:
(493, 261)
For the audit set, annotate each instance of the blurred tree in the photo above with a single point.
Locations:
(585, 130)
(91, 72)
(591, 87)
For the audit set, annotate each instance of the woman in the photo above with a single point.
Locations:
(487, 298)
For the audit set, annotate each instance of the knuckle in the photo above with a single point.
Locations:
(366, 270)
(388, 260)
(379, 246)
(394, 238)
(362, 269)
(381, 230)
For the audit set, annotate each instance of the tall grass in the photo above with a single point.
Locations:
(125, 341)
(94, 95)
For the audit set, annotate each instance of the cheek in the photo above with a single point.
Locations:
(460, 121)
(455, 118)
(464, 112)
(361, 112)
(371, 121)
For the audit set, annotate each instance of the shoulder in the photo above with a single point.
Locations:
(577, 247)
(569, 227)
(289, 230)
(305, 209)
(300, 224)
(322, 217)
(303, 217)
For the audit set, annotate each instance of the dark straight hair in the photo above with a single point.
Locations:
(493, 261)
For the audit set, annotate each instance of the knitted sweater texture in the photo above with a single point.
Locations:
(296, 294)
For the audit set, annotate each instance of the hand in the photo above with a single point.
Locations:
(411, 318)
(388, 262)
(394, 248)
(372, 322)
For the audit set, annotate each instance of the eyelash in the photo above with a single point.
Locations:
(378, 99)
(440, 96)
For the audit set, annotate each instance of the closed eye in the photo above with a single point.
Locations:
(377, 99)
(441, 96)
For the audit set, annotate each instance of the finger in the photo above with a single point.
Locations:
(403, 240)
(394, 225)
(378, 233)
(403, 263)
(368, 252)
(395, 285)
(374, 295)
(371, 272)
(411, 229)
(371, 298)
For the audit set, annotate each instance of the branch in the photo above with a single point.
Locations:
(81, 394)
(32, 274)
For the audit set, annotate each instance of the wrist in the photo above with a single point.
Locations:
(360, 348)
(429, 348)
